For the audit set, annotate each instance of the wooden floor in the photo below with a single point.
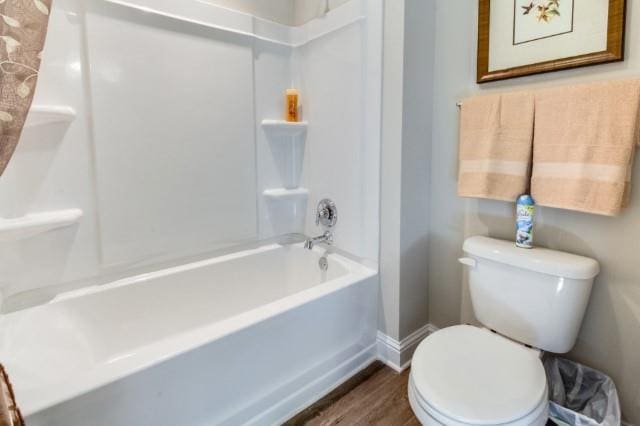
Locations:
(376, 396)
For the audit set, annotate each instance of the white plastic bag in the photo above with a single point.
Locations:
(580, 395)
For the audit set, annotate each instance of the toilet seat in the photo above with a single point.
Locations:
(466, 375)
(429, 416)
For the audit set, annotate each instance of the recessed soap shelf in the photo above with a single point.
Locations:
(287, 142)
(42, 115)
(33, 224)
(284, 194)
(284, 128)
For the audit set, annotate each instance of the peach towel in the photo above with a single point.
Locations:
(584, 144)
(496, 134)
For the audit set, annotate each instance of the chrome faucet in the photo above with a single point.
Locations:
(326, 238)
(327, 216)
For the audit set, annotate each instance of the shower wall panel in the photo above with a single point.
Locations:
(175, 154)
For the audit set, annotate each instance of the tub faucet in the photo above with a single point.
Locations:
(326, 238)
(327, 216)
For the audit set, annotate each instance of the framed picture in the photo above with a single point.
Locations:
(523, 37)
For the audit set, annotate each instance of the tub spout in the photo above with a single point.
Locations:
(326, 238)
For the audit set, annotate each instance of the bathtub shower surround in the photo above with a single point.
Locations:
(141, 163)
(141, 211)
(24, 31)
(339, 77)
(157, 172)
(228, 340)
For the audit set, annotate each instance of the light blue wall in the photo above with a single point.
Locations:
(416, 151)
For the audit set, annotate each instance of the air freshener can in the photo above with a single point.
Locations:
(525, 209)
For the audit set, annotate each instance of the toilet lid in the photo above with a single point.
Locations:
(474, 376)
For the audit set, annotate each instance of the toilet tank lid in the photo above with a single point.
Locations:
(543, 260)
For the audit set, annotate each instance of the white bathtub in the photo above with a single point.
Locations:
(249, 337)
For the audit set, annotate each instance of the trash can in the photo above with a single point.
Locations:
(580, 396)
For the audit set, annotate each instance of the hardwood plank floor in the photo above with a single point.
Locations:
(376, 396)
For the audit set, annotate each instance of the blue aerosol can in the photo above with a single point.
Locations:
(525, 210)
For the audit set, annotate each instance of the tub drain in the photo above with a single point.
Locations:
(323, 263)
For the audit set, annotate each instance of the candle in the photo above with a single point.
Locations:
(291, 107)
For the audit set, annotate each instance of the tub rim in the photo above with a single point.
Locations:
(165, 349)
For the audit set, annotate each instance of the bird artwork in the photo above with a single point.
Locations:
(527, 9)
(546, 10)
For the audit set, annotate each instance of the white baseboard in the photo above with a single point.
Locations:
(397, 354)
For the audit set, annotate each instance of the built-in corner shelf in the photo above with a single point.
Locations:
(284, 128)
(287, 142)
(21, 228)
(283, 194)
(43, 115)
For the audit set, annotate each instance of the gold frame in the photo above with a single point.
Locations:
(613, 53)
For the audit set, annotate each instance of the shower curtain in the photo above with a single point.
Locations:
(9, 412)
(23, 27)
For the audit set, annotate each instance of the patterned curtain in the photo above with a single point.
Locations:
(23, 27)
(9, 412)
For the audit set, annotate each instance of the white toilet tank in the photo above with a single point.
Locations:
(534, 296)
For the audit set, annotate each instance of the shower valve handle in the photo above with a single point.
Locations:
(327, 213)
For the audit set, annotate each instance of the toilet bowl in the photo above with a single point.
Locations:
(466, 375)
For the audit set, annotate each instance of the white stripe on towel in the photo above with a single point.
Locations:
(583, 171)
(514, 168)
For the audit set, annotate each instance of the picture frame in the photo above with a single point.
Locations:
(524, 37)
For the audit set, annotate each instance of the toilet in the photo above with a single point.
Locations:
(528, 301)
